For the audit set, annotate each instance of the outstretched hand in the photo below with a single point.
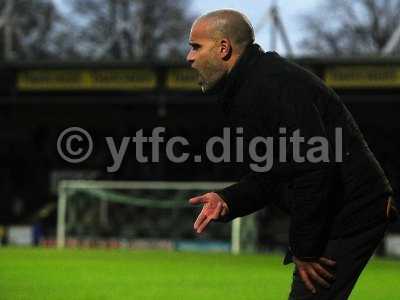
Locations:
(315, 271)
(213, 208)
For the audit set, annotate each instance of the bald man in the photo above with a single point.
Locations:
(339, 206)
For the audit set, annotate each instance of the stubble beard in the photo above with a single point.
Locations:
(214, 77)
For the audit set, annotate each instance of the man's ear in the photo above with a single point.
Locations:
(225, 49)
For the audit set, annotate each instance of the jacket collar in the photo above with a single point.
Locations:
(231, 83)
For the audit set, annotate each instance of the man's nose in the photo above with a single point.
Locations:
(189, 57)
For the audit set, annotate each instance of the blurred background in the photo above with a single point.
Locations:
(114, 67)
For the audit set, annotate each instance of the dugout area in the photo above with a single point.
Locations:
(38, 101)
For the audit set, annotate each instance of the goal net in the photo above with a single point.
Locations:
(144, 213)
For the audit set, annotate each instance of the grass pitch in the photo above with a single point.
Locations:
(32, 274)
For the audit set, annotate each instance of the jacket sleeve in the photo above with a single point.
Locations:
(295, 108)
(250, 194)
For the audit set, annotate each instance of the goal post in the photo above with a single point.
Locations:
(144, 194)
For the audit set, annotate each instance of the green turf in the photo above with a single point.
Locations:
(125, 274)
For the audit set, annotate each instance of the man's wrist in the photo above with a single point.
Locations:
(225, 212)
(225, 208)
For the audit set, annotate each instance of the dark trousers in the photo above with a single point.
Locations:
(351, 255)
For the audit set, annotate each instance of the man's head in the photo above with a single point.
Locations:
(218, 39)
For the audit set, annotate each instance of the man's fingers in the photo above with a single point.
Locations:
(314, 275)
(205, 216)
(216, 211)
(198, 200)
(201, 217)
(212, 209)
(203, 225)
(304, 276)
(327, 261)
(323, 272)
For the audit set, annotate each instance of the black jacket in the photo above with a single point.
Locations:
(334, 197)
